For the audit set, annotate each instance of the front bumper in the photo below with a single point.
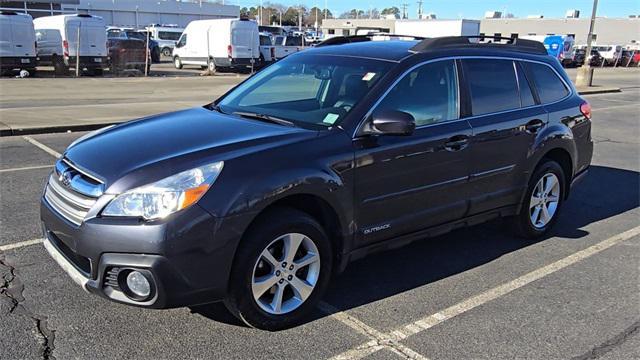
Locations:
(189, 254)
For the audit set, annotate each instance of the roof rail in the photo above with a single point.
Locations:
(517, 44)
(339, 40)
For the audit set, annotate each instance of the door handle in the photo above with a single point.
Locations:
(534, 126)
(457, 143)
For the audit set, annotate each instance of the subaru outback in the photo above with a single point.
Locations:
(333, 153)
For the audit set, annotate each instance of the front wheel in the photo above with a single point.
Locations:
(542, 202)
(177, 62)
(166, 52)
(280, 271)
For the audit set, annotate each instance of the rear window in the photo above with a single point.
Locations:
(492, 84)
(550, 87)
(293, 41)
(169, 35)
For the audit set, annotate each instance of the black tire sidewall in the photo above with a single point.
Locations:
(240, 300)
(526, 226)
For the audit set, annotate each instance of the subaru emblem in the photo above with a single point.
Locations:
(65, 178)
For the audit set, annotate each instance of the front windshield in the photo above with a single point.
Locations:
(318, 90)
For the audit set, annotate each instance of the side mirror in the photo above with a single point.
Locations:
(392, 122)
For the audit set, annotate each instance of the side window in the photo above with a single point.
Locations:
(429, 93)
(526, 96)
(550, 87)
(492, 84)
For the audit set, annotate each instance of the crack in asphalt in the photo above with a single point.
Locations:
(610, 344)
(12, 289)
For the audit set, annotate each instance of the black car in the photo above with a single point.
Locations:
(125, 33)
(594, 60)
(319, 159)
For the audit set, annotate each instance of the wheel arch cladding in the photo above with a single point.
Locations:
(563, 158)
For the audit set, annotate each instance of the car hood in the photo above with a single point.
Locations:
(151, 148)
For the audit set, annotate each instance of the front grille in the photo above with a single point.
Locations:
(71, 193)
(81, 263)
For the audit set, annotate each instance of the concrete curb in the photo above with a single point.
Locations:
(598, 90)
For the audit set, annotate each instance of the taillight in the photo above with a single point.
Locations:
(273, 53)
(65, 46)
(585, 109)
(230, 51)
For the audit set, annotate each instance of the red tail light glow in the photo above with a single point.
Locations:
(230, 51)
(65, 46)
(585, 109)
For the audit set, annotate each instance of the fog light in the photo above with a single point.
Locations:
(138, 284)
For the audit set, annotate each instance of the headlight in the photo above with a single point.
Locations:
(164, 197)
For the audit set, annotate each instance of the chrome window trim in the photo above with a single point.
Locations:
(384, 95)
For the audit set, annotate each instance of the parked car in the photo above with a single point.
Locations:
(17, 43)
(595, 59)
(125, 54)
(130, 33)
(609, 53)
(319, 159)
(267, 49)
(218, 44)
(628, 58)
(57, 40)
(166, 36)
(287, 45)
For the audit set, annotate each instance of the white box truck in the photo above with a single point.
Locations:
(57, 39)
(437, 28)
(17, 42)
(219, 44)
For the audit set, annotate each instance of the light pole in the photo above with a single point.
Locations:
(585, 73)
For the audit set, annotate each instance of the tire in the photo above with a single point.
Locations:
(177, 63)
(270, 233)
(167, 52)
(536, 208)
(59, 67)
(211, 67)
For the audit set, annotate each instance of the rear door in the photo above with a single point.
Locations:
(23, 37)
(6, 35)
(93, 39)
(244, 39)
(505, 120)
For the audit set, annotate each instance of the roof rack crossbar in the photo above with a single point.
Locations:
(524, 45)
(339, 40)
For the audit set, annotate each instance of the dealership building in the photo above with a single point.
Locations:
(136, 13)
(607, 31)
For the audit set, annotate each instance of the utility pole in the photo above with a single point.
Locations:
(420, 2)
(404, 11)
(585, 73)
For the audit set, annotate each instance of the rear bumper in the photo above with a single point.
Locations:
(21, 62)
(89, 62)
(236, 62)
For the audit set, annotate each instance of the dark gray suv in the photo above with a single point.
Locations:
(338, 151)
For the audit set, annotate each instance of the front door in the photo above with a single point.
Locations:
(408, 183)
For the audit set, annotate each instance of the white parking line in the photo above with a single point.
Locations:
(430, 321)
(20, 244)
(378, 341)
(26, 168)
(42, 146)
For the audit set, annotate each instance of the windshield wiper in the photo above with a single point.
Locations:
(263, 117)
(215, 107)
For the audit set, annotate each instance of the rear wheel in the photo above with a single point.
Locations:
(59, 67)
(177, 63)
(280, 271)
(166, 52)
(542, 202)
(211, 66)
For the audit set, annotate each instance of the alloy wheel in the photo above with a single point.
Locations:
(285, 273)
(544, 200)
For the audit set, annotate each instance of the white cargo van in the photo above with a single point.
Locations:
(17, 42)
(57, 38)
(218, 43)
(166, 36)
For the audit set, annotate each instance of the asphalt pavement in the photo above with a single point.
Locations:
(476, 293)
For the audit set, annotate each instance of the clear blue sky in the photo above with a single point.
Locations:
(474, 9)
